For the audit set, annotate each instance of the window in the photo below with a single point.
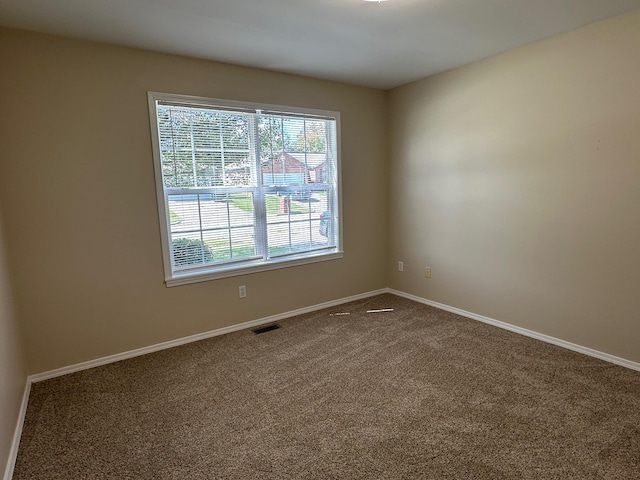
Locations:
(243, 187)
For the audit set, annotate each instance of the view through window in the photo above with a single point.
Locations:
(243, 187)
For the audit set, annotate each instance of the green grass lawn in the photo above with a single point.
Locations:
(220, 250)
(245, 202)
(175, 218)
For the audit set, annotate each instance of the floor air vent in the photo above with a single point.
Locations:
(265, 329)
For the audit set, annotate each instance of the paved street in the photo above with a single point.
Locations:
(284, 229)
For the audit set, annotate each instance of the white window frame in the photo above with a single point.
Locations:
(212, 272)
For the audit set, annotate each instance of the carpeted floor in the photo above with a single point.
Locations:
(416, 393)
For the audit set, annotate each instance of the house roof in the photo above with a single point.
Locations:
(313, 160)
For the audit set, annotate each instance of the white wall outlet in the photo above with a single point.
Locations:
(242, 291)
(401, 266)
(427, 272)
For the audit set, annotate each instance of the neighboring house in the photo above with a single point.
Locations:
(294, 169)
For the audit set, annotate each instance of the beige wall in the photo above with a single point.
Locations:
(13, 370)
(76, 180)
(517, 179)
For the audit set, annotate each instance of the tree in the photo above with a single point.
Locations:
(313, 138)
(204, 147)
(272, 138)
(198, 144)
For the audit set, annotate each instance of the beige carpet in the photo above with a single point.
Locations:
(416, 393)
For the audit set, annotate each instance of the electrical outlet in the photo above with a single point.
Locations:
(427, 272)
(401, 266)
(242, 291)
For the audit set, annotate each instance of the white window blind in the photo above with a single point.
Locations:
(243, 187)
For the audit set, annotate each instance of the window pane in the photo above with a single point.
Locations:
(241, 209)
(294, 223)
(315, 136)
(270, 133)
(211, 228)
(300, 210)
(206, 127)
(219, 244)
(208, 168)
(304, 158)
(293, 134)
(243, 243)
(198, 145)
(184, 213)
(182, 163)
(234, 131)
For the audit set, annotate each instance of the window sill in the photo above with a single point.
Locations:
(216, 273)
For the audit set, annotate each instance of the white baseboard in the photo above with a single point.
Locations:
(523, 331)
(38, 377)
(274, 318)
(13, 452)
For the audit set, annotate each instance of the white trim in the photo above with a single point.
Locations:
(523, 331)
(38, 377)
(269, 108)
(17, 434)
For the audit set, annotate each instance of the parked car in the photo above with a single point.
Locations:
(325, 223)
(294, 191)
(297, 193)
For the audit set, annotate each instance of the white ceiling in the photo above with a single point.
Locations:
(380, 45)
